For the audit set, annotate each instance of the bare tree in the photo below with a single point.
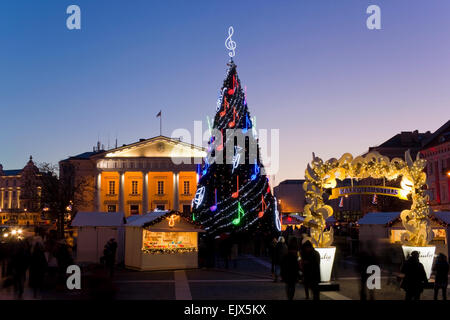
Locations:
(62, 193)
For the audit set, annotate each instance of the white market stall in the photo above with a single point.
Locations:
(94, 230)
(161, 240)
(385, 229)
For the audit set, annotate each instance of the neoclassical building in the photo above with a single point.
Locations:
(155, 173)
(436, 151)
(20, 192)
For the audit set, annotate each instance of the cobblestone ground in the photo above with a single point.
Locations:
(249, 279)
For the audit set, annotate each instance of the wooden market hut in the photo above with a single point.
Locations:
(94, 230)
(161, 240)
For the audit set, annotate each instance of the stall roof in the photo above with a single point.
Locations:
(444, 216)
(98, 219)
(152, 220)
(141, 220)
(379, 217)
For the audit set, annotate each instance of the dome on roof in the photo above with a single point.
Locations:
(31, 166)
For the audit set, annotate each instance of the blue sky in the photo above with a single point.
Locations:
(312, 69)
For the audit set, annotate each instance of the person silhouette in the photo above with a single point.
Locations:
(415, 277)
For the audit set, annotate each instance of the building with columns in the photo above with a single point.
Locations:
(436, 150)
(20, 191)
(156, 173)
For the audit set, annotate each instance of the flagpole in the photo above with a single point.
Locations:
(160, 124)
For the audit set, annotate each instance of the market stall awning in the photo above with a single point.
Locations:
(98, 219)
(163, 221)
(379, 218)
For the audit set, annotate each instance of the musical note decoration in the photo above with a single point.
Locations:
(226, 105)
(256, 171)
(220, 146)
(236, 194)
(241, 213)
(263, 207)
(231, 124)
(235, 85)
(236, 157)
(205, 169)
(172, 219)
(220, 99)
(247, 124)
(229, 43)
(214, 207)
(198, 199)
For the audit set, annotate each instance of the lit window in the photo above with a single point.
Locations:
(160, 187)
(186, 187)
(134, 187)
(112, 187)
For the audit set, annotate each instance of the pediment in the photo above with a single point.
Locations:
(159, 147)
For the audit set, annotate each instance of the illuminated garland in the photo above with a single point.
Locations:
(168, 250)
(320, 176)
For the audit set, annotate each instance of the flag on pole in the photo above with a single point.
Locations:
(160, 122)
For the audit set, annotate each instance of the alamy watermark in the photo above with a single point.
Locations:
(230, 146)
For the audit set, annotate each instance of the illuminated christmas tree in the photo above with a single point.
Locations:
(233, 193)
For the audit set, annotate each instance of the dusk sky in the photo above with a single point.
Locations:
(312, 69)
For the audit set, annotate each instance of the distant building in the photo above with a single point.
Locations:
(436, 150)
(400, 143)
(394, 147)
(20, 192)
(290, 196)
(156, 173)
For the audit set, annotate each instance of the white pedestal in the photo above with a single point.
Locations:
(326, 262)
(426, 256)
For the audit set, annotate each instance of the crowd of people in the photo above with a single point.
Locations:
(42, 257)
(41, 262)
(295, 261)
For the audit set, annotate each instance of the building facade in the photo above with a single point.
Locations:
(290, 196)
(437, 153)
(396, 146)
(157, 173)
(20, 192)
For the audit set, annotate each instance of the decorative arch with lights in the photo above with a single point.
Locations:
(321, 175)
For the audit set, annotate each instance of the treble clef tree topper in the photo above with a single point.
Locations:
(229, 43)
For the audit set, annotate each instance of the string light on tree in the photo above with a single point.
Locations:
(236, 195)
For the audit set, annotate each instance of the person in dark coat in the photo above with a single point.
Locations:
(38, 268)
(290, 268)
(415, 277)
(310, 266)
(64, 260)
(365, 258)
(441, 280)
(273, 245)
(109, 254)
(281, 250)
(19, 266)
